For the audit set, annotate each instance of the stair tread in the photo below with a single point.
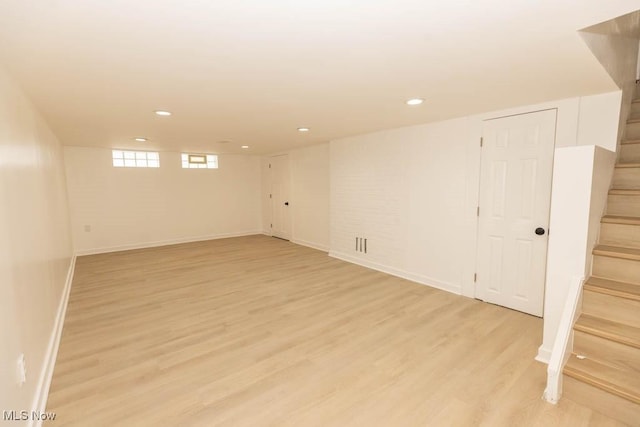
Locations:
(611, 287)
(619, 219)
(631, 121)
(617, 252)
(609, 329)
(630, 141)
(628, 165)
(617, 381)
(624, 192)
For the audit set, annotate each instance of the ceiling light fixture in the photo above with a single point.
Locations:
(303, 129)
(245, 147)
(415, 101)
(163, 113)
(139, 139)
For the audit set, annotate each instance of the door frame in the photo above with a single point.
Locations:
(479, 189)
(289, 223)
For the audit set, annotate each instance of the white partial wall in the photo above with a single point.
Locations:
(123, 208)
(413, 192)
(36, 252)
(309, 198)
(581, 180)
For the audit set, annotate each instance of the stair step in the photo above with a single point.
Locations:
(623, 202)
(607, 305)
(633, 121)
(626, 176)
(611, 287)
(599, 400)
(623, 192)
(618, 269)
(624, 232)
(614, 331)
(629, 151)
(607, 352)
(616, 219)
(630, 142)
(617, 252)
(615, 381)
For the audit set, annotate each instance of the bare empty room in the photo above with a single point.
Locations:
(320, 213)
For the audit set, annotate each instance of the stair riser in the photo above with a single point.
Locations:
(632, 131)
(612, 308)
(608, 404)
(606, 351)
(630, 153)
(623, 205)
(626, 178)
(620, 235)
(635, 110)
(620, 270)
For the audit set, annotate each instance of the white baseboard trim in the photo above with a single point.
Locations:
(544, 354)
(312, 245)
(423, 280)
(48, 365)
(165, 242)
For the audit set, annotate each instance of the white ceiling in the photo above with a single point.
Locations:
(252, 71)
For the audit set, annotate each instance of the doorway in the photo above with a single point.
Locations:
(280, 187)
(513, 214)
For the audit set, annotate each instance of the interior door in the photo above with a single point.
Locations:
(280, 183)
(515, 196)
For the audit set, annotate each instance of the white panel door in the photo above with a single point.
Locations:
(515, 194)
(280, 183)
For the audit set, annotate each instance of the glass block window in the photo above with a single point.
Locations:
(199, 161)
(135, 159)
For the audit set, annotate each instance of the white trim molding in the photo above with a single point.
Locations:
(544, 354)
(312, 245)
(423, 280)
(563, 344)
(166, 242)
(48, 365)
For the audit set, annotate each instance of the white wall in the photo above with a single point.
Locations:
(130, 207)
(412, 192)
(35, 243)
(581, 179)
(615, 44)
(405, 190)
(598, 121)
(309, 198)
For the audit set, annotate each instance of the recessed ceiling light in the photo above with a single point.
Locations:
(163, 113)
(303, 129)
(415, 101)
(245, 146)
(141, 139)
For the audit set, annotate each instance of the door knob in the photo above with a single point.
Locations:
(539, 231)
(286, 203)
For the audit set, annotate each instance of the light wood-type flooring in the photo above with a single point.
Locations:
(256, 331)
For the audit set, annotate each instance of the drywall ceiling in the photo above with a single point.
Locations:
(253, 71)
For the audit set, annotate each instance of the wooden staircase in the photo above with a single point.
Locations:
(604, 370)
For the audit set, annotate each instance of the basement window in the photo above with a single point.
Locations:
(199, 161)
(135, 159)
